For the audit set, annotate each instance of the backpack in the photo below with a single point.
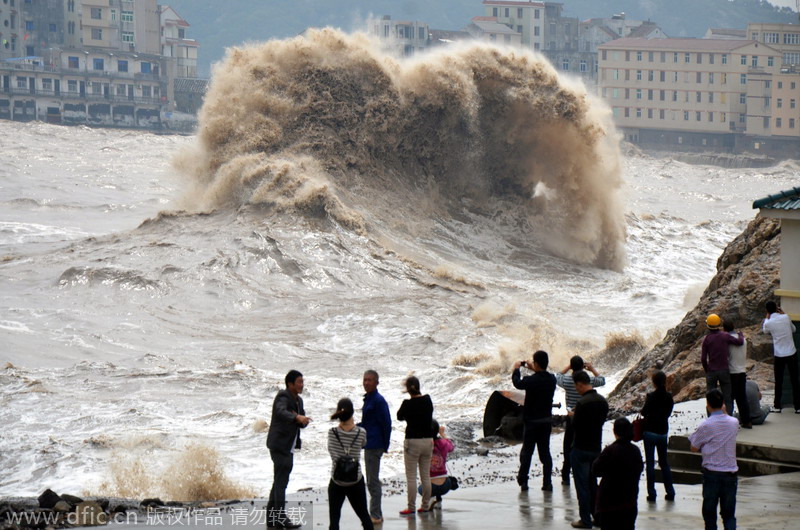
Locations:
(346, 467)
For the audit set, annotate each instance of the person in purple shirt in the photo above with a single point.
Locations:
(377, 421)
(715, 439)
(714, 357)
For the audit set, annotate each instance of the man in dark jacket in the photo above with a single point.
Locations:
(620, 466)
(588, 418)
(539, 389)
(377, 421)
(714, 356)
(288, 417)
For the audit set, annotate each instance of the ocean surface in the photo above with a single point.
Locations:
(150, 308)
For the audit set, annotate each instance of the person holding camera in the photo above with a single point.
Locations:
(537, 415)
(344, 445)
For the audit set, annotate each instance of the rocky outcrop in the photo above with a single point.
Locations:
(748, 272)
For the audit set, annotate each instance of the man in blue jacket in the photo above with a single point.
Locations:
(537, 414)
(288, 417)
(377, 421)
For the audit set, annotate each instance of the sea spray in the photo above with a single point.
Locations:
(328, 125)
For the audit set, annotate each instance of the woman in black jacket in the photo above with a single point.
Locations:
(656, 412)
(417, 412)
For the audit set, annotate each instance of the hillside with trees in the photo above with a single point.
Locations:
(218, 25)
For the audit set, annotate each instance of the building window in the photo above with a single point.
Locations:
(711, 97)
(122, 65)
(536, 14)
(120, 90)
(663, 57)
(96, 13)
(723, 97)
(742, 79)
(97, 34)
(770, 61)
(744, 60)
(724, 58)
(97, 64)
(494, 11)
(650, 94)
(583, 67)
(793, 85)
(723, 117)
(687, 57)
(663, 95)
(766, 122)
(699, 97)
(71, 6)
(650, 113)
(699, 58)
(627, 112)
(638, 113)
(661, 114)
(675, 57)
(698, 116)
(754, 63)
(663, 76)
(127, 36)
(72, 62)
(650, 75)
(146, 69)
(675, 77)
(650, 57)
(615, 93)
(638, 56)
(710, 58)
(778, 123)
(22, 82)
(71, 28)
(699, 77)
(686, 115)
(47, 84)
(710, 116)
(97, 88)
(742, 99)
(127, 16)
(780, 85)
(791, 123)
(519, 12)
(711, 78)
(146, 91)
(565, 65)
(724, 79)
(508, 10)
(792, 104)
(742, 118)
(536, 31)
(788, 57)
(638, 75)
(674, 95)
(638, 93)
(780, 103)
(53, 28)
(29, 25)
(72, 85)
(791, 38)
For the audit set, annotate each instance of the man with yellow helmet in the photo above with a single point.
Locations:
(714, 357)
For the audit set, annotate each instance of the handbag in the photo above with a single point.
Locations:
(638, 428)
(346, 467)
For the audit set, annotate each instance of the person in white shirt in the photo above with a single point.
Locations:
(737, 366)
(780, 326)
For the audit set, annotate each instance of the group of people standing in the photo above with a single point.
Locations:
(425, 450)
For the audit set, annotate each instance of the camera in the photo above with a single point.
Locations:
(524, 363)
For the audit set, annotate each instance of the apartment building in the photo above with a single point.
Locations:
(85, 87)
(783, 37)
(176, 44)
(402, 36)
(785, 104)
(10, 29)
(130, 25)
(692, 92)
(525, 18)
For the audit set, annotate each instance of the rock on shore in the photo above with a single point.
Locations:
(748, 272)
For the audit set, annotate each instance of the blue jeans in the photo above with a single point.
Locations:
(437, 490)
(719, 488)
(657, 442)
(585, 482)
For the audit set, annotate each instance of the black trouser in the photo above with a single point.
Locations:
(780, 364)
(536, 434)
(738, 389)
(356, 494)
(282, 464)
(569, 435)
(618, 519)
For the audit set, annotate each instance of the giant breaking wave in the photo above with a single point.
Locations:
(328, 125)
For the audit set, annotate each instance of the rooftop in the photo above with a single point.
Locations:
(512, 3)
(491, 26)
(783, 200)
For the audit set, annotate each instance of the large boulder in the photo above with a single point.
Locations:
(748, 272)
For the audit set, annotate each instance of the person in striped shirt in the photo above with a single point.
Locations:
(715, 439)
(563, 380)
(346, 440)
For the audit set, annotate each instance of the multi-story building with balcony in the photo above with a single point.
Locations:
(783, 37)
(176, 45)
(525, 18)
(11, 32)
(699, 93)
(404, 37)
(85, 87)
